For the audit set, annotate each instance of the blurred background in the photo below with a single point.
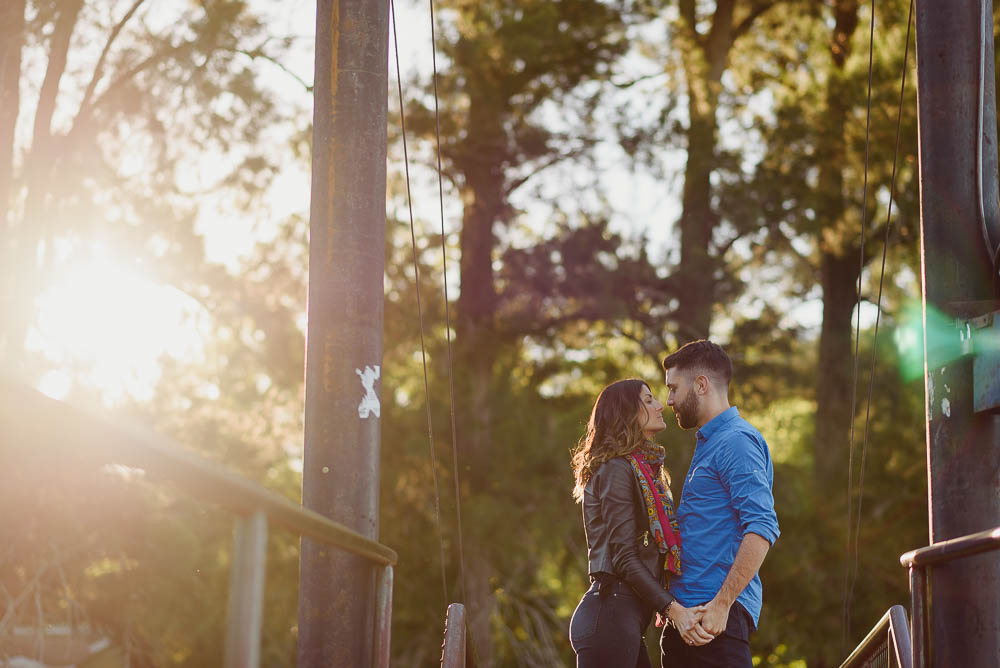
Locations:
(619, 177)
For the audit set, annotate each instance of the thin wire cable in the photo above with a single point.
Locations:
(846, 610)
(878, 304)
(420, 312)
(447, 311)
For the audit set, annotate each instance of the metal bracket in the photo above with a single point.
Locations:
(980, 336)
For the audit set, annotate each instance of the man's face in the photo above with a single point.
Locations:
(682, 398)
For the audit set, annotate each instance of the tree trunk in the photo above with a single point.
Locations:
(39, 166)
(703, 65)
(838, 273)
(839, 266)
(476, 346)
(11, 43)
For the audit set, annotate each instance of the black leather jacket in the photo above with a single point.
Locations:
(618, 540)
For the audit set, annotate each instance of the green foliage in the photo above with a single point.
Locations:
(567, 308)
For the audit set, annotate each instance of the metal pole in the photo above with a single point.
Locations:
(453, 649)
(344, 338)
(962, 452)
(383, 617)
(246, 592)
(919, 642)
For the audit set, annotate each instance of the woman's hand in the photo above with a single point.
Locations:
(688, 623)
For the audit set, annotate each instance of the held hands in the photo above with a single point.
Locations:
(715, 616)
(689, 623)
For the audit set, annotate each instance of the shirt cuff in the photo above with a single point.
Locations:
(768, 533)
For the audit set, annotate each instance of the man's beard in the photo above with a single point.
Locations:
(687, 411)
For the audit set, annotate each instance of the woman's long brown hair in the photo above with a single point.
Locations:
(614, 430)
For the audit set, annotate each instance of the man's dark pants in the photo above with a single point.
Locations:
(730, 649)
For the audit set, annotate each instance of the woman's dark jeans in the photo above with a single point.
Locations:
(607, 627)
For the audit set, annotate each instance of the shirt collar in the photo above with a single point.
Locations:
(714, 425)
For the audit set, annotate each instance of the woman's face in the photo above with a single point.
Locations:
(650, 413)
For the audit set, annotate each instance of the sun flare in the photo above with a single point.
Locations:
(106, 327)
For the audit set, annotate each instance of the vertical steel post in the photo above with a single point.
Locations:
(962, 450)
(453, 648)
(918, 617)
(344, 338)
(383, 617)
(246, 592)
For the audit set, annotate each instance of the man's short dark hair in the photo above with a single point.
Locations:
(703, 356)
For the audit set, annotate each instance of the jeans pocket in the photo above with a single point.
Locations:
(739, 623)
(583, 624)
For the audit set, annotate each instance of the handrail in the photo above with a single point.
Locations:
(891, 634)
(30, 418)
(963, 546)
(918, 561)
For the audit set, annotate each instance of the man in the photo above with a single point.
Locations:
(726, 513)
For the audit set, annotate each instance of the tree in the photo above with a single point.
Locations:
(508, 61)
(811, 185)
(129, 101)
(140, 116)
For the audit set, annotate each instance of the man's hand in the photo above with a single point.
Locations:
(687, 621)
(715, 616)
(748, 559)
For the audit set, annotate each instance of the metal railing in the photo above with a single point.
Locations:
(918, 561)
(887, 645)
(29, 417)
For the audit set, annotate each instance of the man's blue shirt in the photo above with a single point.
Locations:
(727, 494)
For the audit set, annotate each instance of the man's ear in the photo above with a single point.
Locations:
(702, 384)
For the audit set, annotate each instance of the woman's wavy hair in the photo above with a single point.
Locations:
(614, 430)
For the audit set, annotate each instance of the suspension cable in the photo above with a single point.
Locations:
(420, 312)
(878, 304)
(846, 609)
(447, 312)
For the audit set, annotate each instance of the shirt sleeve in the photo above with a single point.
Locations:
(746, 471)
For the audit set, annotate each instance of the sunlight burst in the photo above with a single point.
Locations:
(105, 327)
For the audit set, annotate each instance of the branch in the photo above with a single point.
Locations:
(690, 17)
(640, 79)
(258, 52)
(61, 35)
(756, 12)
(104, 55)
(553, 160)
(653, 355)
(84, 113)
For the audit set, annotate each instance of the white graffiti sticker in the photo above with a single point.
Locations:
(369, 403)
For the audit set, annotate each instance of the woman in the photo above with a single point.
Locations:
(632, 540)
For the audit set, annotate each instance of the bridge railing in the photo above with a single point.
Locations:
(30, 420)
(919, 561)
(887, 645)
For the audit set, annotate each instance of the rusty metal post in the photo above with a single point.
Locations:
(344, 338)
(953, 54)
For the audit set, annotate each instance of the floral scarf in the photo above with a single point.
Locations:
(647, 460)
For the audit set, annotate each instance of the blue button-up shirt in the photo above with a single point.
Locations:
(727, 494)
